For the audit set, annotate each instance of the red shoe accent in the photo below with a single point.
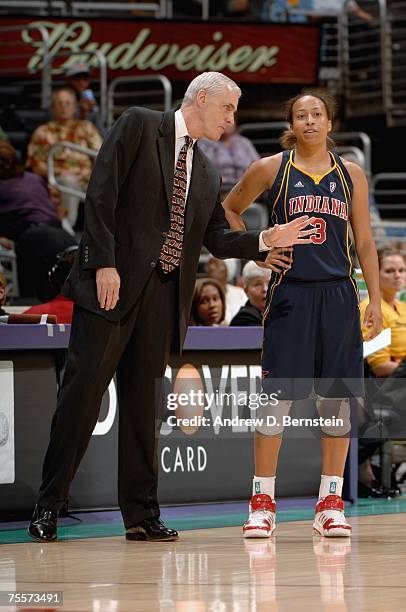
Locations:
(330, 524)
(267, 525)
(262, 502)
(331, 502)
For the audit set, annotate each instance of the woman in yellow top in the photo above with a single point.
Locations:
(383, 363)
(392, 279)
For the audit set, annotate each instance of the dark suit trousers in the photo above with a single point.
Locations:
(137, 348)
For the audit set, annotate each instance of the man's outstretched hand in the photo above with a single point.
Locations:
(290, 233)
(108, 287)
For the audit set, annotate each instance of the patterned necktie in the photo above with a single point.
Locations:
(169, 257)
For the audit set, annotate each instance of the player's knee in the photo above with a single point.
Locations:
(270, 418)
(335, 416)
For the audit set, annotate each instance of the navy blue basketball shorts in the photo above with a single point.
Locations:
(312, 339)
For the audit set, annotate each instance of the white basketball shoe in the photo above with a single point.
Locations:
(261, 519)
(329, 520)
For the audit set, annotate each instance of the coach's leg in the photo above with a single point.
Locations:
(94, 351)
(140, 377)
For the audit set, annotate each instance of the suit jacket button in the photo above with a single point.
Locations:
(153, 264)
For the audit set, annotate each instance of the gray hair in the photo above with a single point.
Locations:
(212, 82)
(251, 270)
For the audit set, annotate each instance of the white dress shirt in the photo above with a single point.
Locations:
(180, 132)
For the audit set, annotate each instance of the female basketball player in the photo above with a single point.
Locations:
(312, 332)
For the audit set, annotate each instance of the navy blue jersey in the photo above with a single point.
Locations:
(328, 198)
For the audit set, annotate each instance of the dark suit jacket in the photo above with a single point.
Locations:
(247, 315)
(127, 212)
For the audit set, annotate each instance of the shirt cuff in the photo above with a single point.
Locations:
(262, 245)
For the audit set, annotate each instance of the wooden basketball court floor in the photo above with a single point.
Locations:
(216, 570)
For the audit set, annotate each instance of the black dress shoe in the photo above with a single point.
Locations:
(152, 530)
(43, 524)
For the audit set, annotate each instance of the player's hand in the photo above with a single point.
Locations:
(108, 287)
(373, 320)
(278, 259)
(290, 233)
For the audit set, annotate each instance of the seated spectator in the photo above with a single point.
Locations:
(60, 306)
(392, 279)
(231, 155)
(385, 362)
(3, 293)
(235, 296)
(256, 281)
(78, 78)
(72, 168)
(208, 306)
(29, 218)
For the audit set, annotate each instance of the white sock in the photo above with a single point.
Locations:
(264, 485)
(330, 485)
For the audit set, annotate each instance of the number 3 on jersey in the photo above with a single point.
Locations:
(320, 225)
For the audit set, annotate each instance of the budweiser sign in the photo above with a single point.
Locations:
(246, 52)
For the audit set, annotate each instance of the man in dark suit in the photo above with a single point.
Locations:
(152, 201)
(256, 281)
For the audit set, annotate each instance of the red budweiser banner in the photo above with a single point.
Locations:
(253, 53)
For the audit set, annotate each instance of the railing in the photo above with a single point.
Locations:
(385, 232)
(346, 139)
(264, 135)
(387, 188)
(52, 179)
(165, 90)
(72, 8)
(47, 61)
(363, 62)
(161, 9)
(354, 152)
(394, 76)
(36, 7)
(389, 192)
(45, 71)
